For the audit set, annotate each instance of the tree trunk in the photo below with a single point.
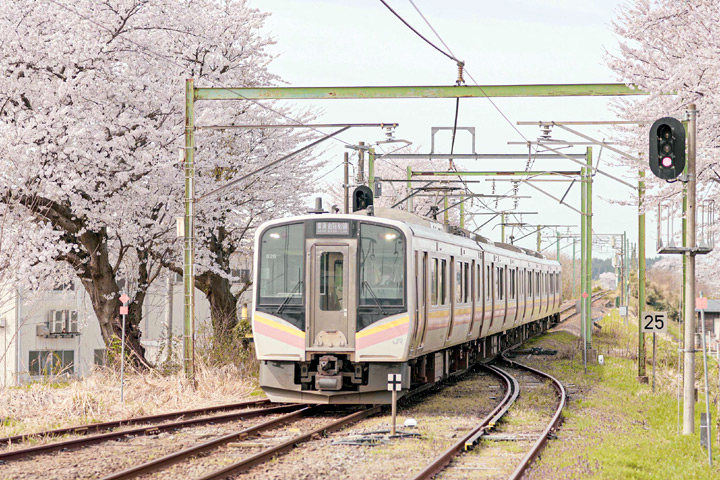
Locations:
(223, 304)
(90, 259)
(100, 282)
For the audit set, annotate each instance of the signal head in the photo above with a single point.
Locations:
(667, 148)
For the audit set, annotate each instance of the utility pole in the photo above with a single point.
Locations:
(371, 170)
(361, 164)
(689, 346)
(539, 238)
(641, 274)
(502, 228)
(409, 190)
(346, 183)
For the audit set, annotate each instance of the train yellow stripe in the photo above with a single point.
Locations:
(279, 326)
(382, 327)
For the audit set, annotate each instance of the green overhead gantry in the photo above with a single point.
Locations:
(193, 94)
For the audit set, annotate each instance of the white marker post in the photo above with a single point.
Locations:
(394, 385)
(123, 312)
(653, 322)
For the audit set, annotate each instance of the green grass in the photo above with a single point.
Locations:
(616, 427)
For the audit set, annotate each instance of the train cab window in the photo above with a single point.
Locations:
(331, 281)
(443, 281)
(382, 266)
(282, 254)
(434, 281)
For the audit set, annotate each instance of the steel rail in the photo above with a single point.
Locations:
(181, 455)
(104, 426)
(540, 443)
(150, 430)
(512, 390)
(269, 453)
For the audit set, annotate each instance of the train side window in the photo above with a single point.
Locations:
(501, 283)
(443, 282)
(434, 282)
(467, 283)
(488, 282)
(512, 284)
(537, 283)
(478, 288)
(458, 282)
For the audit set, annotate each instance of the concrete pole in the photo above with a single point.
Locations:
(462, 210)
(409, 190)
(502, 227)
(446, 207)
(583, 262)
(627, 269)
(689, 354)
(346, 183)
(539, 238)
(189, 241)
(371, 170)
(641, 272)
(361, 164)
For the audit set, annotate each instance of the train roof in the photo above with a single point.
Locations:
(428, 228)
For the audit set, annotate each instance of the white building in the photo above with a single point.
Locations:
(56, 332)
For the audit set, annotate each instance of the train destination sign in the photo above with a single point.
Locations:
(654, 322)
(332, 228)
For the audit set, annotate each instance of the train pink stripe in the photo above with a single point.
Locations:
(382, 335)
(279, 335)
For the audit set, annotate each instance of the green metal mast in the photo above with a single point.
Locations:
(641, 272)
(189, 236)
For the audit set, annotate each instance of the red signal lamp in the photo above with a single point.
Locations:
(667, 162)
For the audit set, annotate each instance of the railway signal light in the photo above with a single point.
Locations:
(667, 148)
(362, 198)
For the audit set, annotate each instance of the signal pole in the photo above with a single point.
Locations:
(689, 346)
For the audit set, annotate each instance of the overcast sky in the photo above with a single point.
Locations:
(360, 42)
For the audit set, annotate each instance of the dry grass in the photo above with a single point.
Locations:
(45, 405)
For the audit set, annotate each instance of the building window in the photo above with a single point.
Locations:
(51, 362)
(100, 357)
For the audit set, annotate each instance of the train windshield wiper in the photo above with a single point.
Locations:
(367, 285)
(289, 296)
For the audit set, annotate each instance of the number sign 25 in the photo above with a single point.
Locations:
(654, 322)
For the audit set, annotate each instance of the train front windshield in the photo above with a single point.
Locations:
(282, 265)
(382, 266)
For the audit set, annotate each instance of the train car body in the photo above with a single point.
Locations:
(341, 301)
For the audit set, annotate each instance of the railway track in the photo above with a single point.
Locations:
(106, 426)
(86, 441)
(512, 391)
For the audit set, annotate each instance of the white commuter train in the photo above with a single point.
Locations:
(341, 301)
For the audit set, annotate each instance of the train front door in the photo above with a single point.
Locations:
(332, 324)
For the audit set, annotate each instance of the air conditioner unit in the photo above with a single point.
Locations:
(42, 330)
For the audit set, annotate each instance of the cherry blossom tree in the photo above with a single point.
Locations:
(91, 120)
(670, 49)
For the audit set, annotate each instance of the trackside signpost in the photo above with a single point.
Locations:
(123, 313)
(394, 385)
(653, 322)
